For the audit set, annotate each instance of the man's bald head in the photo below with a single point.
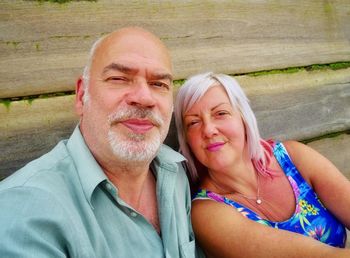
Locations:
(127, 39)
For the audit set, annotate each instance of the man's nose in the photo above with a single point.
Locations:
(140, 94)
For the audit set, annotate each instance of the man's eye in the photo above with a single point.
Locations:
(161, 85)
(116, 79)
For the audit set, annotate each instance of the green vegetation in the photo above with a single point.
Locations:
(328, 8)
(178, 83)
(49, 95)
(330, 135)
(30, 101)
(6, 103)
(62, 1)
(64, 37)
(31, 98)
(315, 67)
(333, 66)
(37, 47)
(340, 65)
(13, 43)
(276, 71)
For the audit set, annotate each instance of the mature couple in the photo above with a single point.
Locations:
(113, 190)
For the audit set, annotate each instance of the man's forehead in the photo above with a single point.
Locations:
(134, 43)
(133, 58)
(135, 50)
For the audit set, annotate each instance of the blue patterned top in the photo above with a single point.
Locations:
(310, 218)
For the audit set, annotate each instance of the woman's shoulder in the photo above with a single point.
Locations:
(292, 145)
(308, 161)
(298, 152)
(203, 208)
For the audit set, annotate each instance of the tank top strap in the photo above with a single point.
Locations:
(203, 194)
(285, 161)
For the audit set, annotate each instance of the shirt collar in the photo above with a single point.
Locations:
(168, 155)
(89, 171)
(167, 158)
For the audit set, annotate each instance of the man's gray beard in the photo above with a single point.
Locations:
(135, 148)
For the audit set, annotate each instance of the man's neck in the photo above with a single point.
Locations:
(130, 181)
(137, 188)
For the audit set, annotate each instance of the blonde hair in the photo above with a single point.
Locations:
(193, 89)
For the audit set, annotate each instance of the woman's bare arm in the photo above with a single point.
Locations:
(223, 232)
(331, 186)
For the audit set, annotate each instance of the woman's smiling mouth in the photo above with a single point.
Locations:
(215, 146)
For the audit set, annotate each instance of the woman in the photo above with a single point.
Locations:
(249, 189)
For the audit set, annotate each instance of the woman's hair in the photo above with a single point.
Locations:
(192, 90)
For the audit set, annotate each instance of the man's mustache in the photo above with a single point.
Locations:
(135, 112)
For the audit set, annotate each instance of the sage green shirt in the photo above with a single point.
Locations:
(63, 205)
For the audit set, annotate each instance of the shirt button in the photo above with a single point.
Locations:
(133, 214)
(109, 187)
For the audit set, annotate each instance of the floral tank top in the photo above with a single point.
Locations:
(310, 218)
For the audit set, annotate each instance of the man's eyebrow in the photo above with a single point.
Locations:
(130, 70)
(163, 76)
(119, 67)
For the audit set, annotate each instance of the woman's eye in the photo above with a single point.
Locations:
(191, 123)
(222, 113)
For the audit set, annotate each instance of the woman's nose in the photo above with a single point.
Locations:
(209, 129)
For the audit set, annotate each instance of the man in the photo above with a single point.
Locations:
(111, 190)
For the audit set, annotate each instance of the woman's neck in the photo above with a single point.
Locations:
(241, 178)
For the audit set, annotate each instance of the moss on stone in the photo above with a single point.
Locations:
(340, 65)
(314, 67)
(277, 71)
(13, 43)
(62, 1)
(37, 46)
(178, 83)
(30, 101)
(329, 135)
(6, 103)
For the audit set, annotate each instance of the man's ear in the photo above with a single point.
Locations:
(79, 94)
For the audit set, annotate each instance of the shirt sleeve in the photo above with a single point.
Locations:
(32, 224)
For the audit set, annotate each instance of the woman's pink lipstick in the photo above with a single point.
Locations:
(215, 146)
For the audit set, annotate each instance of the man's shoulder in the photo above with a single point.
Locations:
(41, 171)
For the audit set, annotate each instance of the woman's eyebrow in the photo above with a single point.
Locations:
(213, 108)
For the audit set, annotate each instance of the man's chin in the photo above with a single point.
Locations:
(135, 156)
(134, 149)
